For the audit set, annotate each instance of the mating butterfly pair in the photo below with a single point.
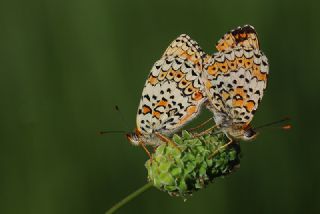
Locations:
(230, 83)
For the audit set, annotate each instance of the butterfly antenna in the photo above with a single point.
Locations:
(285, 127)
(110, 132)
(123, 121)
(116, 131)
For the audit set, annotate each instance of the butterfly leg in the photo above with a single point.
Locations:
(205, 131)
(202, 124)
(145, 149)
(165, 139)
(155, 148)
(222, 147)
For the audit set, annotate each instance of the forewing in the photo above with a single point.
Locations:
(186, 48)
(235, 81)
(245, 36)
(173, 91)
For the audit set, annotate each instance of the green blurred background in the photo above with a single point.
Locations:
(65, 65)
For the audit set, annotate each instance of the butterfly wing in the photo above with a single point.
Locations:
(186, 48)
(173, 92)
(235, 81)
(245, 36)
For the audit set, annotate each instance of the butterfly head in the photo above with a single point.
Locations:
(249, 134)
(242, 134)
(134, 137)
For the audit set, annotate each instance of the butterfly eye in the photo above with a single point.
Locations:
(249, 133)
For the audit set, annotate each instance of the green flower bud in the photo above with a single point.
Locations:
(192, 164)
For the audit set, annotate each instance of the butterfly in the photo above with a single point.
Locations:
(235, 79)
(172, 94)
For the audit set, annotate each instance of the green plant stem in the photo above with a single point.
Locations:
(129, 198)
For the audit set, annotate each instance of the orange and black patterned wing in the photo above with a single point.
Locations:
(174, 91)
(235, 81)
(187, 49)
(245, 36)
